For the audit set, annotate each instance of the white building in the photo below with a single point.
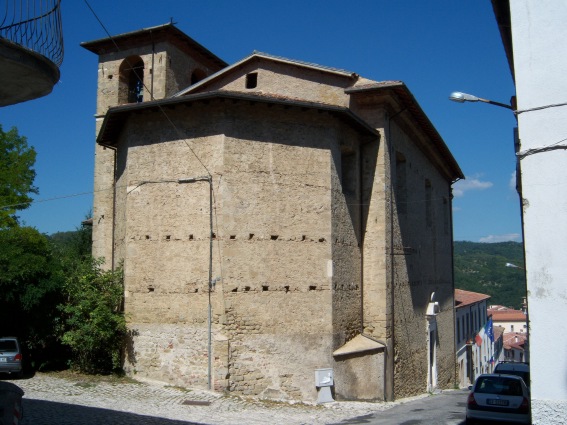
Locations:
(534, 35)
(474, 343)
(515, 347)
(511, 320)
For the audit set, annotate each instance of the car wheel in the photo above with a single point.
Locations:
(469, 421)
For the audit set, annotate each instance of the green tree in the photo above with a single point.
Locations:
(93, 322)
(75, 244)
(16, 176)
(481, 267)
(30, 289)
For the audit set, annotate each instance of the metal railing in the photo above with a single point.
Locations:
(34, 24)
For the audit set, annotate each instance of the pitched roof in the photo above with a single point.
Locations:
(409, 103)
(266, 56)
(464, 298)
(148, 35)
(514, 340)
(507, 315)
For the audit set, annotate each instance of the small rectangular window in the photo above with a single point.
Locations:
(251, 80)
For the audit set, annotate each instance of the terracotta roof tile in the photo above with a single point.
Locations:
(507, 315)
(514, 340)
(464, 298)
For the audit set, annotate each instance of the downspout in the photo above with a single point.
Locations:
(152, 70)
(361, 230)
(113, 237)
(456, 373)
(389, 388)
(211, 283)
(451, 234)
(113, 224)
(210, 315)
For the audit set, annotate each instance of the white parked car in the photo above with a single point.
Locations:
(500, 398)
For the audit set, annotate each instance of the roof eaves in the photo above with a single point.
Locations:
(168, 28)
(411, 104)
(212, 77)
(374, 86)
(115, 115)
(256, 54)
(310, 65)
(87, 44)
(465, 298)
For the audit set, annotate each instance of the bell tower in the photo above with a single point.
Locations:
(139, 66)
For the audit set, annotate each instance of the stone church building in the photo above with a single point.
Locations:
(275, 219)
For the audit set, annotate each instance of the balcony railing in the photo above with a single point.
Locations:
(34, 24)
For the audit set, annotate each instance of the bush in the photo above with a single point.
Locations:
(93, 323)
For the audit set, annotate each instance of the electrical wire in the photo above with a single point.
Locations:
(532, 151)
(175, 128)
(537, 108)
(181, 136)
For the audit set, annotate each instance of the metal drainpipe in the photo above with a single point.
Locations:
(208, 178)
(450, 206)
(390, 382)
(113, 254)
(152, 70)
(210, 318)
(389, 390)
(361, 229)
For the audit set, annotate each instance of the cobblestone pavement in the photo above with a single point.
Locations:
(50, 400)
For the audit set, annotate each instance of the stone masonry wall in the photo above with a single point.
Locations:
(422, 266)
(272, 308)
(288, 81)
(166, 72)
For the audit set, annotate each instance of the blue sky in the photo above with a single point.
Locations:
(435, 47)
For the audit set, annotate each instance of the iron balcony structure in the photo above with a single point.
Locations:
(31, 49)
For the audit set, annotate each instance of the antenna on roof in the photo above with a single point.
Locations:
(171, 21)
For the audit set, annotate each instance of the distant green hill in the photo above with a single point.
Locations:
(481, 267)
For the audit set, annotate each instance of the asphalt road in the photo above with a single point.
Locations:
(447, 408)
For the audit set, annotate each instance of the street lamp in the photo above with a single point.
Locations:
(514, 266)
(461, 97)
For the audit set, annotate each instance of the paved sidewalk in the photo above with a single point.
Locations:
(50, 400)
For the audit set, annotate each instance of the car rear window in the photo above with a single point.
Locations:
(8, 345)
(522, 374)
(498, 385)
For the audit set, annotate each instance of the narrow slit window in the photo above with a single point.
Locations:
(252, 80)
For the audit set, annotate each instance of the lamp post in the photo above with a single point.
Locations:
(461, 97)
